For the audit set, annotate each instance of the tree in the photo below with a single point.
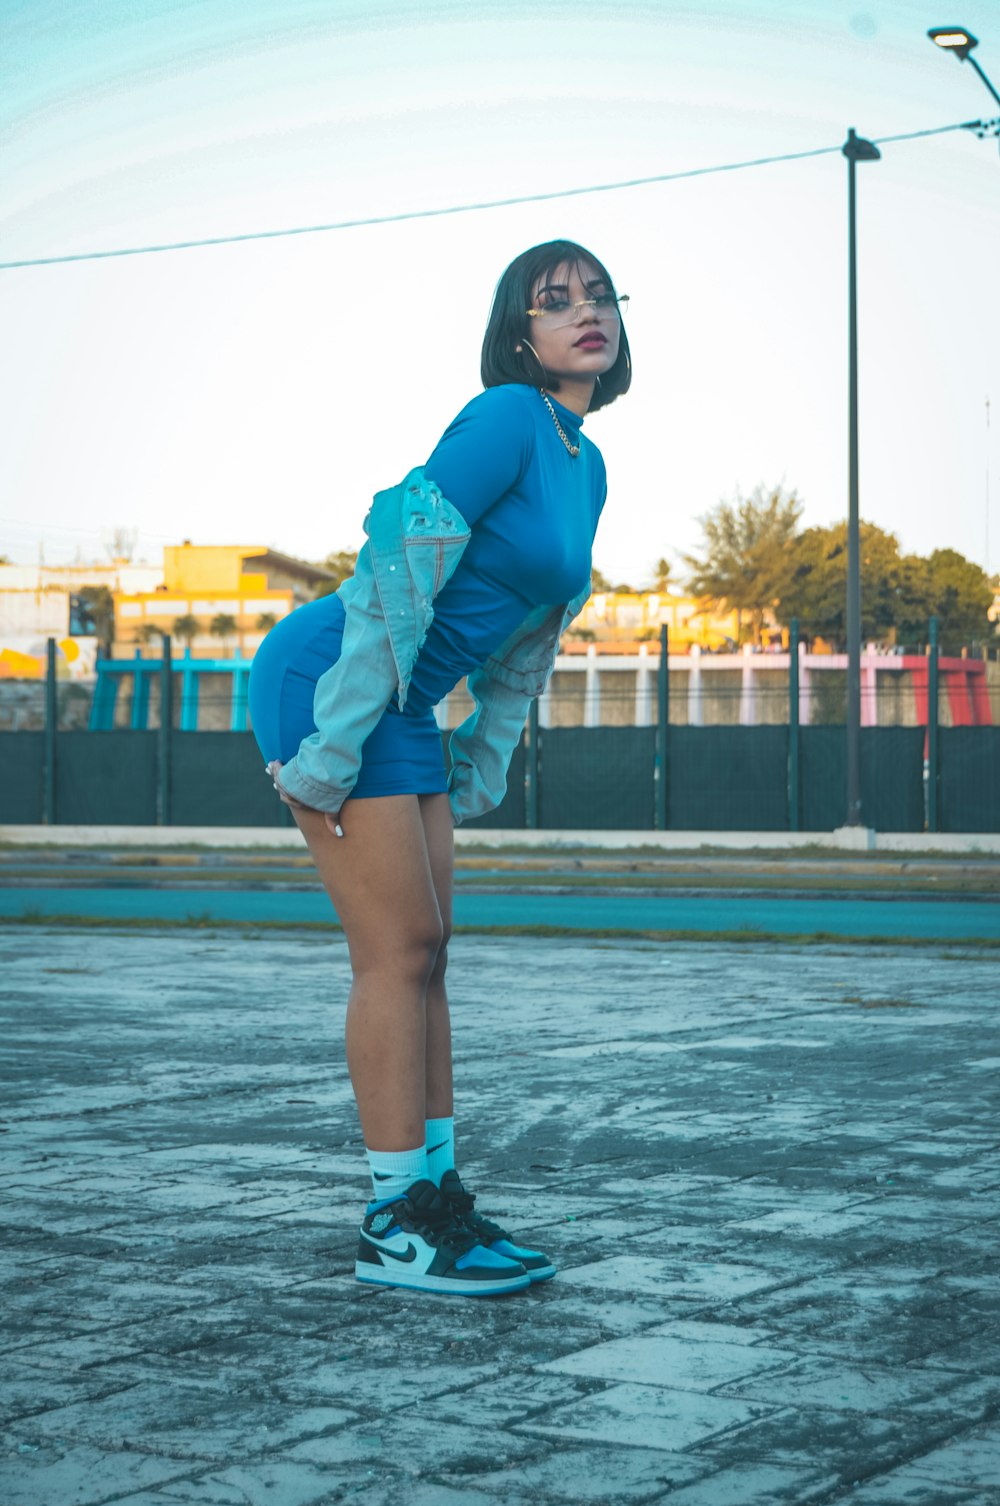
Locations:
(598, 582)
(744, 551)
(222, 626)
(342, 565)
(265, 622)
(813, 586)
(146, 632)
(899, 593)
(661, 576)
(951, 588)
(186, 628)
(98, 605)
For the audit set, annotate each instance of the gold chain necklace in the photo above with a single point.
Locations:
(574, 449)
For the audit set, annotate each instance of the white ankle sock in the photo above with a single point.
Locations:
(393, 1171)
(440, 1143)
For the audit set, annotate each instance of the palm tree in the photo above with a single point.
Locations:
(661, 576)
(265, 622)
(147, 631)
(186, 628)
(223, 626)
(98, 604)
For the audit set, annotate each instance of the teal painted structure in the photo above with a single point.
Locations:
(112, 673)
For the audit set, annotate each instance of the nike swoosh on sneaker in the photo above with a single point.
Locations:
(411, 1250)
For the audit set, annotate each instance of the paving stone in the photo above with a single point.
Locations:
(42, 1472)
(838, 1443)
(664, 1360)
(280, 1484)
(606, 1475)
(35, 1391)
(186, 1421)
(402, 1442)
(648, 1417)
(651, 1274)
(904, 1488)
(386, 1388)
(753, 1485)
(813, 1382)
(612, 1312)
(502, 1399)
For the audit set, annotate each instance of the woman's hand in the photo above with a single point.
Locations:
(332, 820)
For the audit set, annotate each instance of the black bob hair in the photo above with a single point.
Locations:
(509, 323)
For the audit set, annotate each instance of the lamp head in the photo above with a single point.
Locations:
(954, 39)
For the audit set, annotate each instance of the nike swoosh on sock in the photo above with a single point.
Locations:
(432, 1148)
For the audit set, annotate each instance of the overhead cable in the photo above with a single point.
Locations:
(427, 214)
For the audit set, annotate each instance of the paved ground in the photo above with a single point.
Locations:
(769, 1177)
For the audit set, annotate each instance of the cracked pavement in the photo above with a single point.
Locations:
(769, 1177)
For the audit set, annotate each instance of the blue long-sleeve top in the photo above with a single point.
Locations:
(533, 510)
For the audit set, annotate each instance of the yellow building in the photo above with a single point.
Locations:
(620, 617)
(252, 586)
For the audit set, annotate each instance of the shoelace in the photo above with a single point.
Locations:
(444, 1230)
(464, 1204)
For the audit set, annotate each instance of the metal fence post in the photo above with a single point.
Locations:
(661, 768)
(166, 729)
(932, 728)
(531, 770)
(794, 803)
(51, 714)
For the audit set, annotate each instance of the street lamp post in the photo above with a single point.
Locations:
(855, 149)
(961, 42)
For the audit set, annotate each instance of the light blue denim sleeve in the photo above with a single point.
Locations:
(325, 768)
(482, 747)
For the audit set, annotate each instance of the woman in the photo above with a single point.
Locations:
(474, 566)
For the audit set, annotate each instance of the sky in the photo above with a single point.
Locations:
(260, 392)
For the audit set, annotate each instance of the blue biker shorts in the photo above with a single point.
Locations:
(403, 755)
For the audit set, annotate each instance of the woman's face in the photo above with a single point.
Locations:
(585, 348)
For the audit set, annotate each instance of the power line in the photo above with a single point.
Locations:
(33, 526)
(427, 214)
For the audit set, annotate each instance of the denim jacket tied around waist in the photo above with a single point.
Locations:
(415, 540)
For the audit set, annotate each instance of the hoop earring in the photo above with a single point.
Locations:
(597, 379)
(518, 349)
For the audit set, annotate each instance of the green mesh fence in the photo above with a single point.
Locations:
(106, 778)
(596, 778)
(22, 787)
(969, 785)
(218, 779)
(892, 778)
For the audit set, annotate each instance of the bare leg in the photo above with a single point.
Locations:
(378, 876)
(439, 831)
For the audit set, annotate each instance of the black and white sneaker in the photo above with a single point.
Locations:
(415, 1241)
(490, 1235)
